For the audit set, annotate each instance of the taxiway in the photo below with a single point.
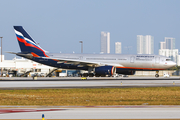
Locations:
(41, 83)
(93, 112)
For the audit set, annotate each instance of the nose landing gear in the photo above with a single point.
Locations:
(157, 74)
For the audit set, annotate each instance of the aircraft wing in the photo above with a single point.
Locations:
(82, 63)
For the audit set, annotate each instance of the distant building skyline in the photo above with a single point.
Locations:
(118, 49)
(105, 42)
(145, 44)
(169, 43)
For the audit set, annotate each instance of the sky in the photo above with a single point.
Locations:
(59, 25)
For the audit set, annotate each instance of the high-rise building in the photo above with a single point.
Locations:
(118, 47)
(105, 42)
(145, 44)
(140, 39)
(169, 43)
(162, 45)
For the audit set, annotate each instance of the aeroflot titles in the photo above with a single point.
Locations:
(146, 56)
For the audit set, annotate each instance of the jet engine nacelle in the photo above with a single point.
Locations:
(105, 70)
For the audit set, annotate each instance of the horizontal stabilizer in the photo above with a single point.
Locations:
(22, 54)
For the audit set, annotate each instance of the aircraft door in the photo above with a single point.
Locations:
(157, 59)
(132, 59)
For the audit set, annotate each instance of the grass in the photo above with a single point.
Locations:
(92, 96)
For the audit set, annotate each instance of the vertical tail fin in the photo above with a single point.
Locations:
(27, 44)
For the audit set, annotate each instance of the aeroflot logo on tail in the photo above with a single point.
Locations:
(26, 41)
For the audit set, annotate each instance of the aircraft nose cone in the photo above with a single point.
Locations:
(173, 64)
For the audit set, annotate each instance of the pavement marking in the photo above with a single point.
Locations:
(3, 111)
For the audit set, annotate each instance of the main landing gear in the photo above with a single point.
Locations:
(157, 74)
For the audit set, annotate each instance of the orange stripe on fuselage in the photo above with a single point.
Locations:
(112, 70)
(34, 55)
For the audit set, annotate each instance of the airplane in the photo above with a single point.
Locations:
(95, 64)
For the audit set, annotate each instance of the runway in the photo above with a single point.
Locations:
(95, 112)
(89, 83)
(88, 112)
(88, 78)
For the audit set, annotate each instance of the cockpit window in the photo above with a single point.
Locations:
(168, 59)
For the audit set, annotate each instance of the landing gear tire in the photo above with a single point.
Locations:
(157, 75)
(97, 75)
(91, 75)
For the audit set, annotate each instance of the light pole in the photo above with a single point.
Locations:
(81, 46)
(1, 55)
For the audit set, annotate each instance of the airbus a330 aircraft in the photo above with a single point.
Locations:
(98, 64)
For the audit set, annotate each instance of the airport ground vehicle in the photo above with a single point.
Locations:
(166, 75)
(83, 78)
(98, 64)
